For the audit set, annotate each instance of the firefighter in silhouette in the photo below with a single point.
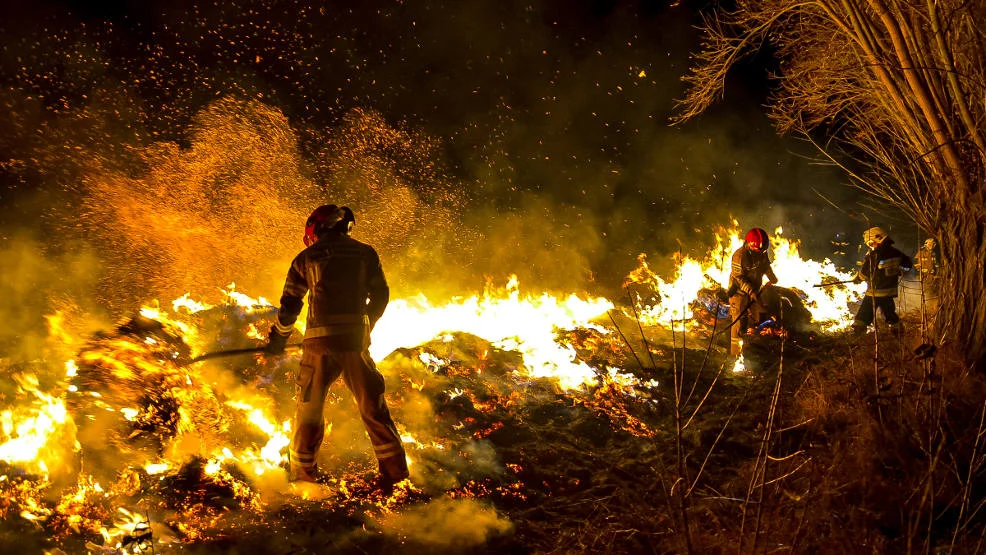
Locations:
(347, 294)
(749, 266)
(880, 269)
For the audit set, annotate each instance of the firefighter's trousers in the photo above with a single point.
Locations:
(930, 286)
(868, 307)
(320, 367)
(743, 313)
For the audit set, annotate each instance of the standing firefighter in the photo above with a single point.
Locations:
(347, 294)
(750, 265)
(880, 269)
(927, 264)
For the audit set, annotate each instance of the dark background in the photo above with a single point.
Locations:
(550, 115)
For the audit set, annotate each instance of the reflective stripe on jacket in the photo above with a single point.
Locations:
(881, 268)
(347, 291)
(926, 261)
(748, 270)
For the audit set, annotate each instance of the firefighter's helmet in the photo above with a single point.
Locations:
(324, 217)
(757, 240)
(874, 236)
(348, 219)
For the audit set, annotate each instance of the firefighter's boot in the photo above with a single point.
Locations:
(392, 471)
(299, 472)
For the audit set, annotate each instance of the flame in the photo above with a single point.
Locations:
(30, 437)
(234, 297)
(525, 324)
(231, 297)
(191, 306)
(272, 454)
(156, 468)
(829, 306)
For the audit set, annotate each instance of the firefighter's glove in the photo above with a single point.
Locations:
(276, 342)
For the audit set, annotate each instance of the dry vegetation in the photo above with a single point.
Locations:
(825, 444)
(892, 91)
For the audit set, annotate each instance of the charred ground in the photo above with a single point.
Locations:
(825, 443)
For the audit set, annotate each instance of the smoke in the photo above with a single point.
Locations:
(37, 284)
(472, 140)
(446, 523)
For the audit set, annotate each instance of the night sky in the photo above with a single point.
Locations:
(474, 138)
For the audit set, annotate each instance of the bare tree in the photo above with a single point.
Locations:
(899, 88)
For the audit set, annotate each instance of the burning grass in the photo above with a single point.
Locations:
(650, 443)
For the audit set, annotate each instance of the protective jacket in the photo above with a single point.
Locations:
(926, 261)
(881, 268)
(347, 291)
(748, 270)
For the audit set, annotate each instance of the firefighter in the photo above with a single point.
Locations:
(749, 266)
(881, 269)
(927, 263)
(347, 294)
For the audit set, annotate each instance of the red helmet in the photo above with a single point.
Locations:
(324, 217)
(757, 240)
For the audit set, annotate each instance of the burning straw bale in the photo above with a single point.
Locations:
(784, 305)
(130, 392)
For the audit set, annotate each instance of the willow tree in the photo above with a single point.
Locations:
(899, 88)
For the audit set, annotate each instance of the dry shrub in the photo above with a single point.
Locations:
(891, 446)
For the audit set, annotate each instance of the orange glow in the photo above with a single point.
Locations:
(527, 324)
(829, 306)
(117, 376)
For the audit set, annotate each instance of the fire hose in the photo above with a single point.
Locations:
(834, 283)
(234, 352)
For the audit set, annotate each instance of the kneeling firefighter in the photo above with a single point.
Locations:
(749, 266)
(347, 294)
